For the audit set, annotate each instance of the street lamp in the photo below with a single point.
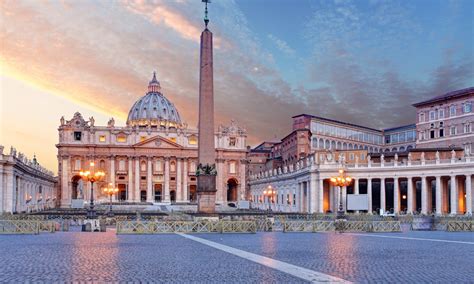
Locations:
(341, 181)
(110, 191)
(269, 193)
(92, 176)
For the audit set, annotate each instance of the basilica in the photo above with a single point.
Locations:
(151, 160)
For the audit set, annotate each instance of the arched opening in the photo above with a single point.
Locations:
(192, 193)
(77, 191)
(142, 195)
(158, 192)
(232, 189)
(173, 195)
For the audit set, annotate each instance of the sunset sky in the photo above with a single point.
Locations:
(363, 62)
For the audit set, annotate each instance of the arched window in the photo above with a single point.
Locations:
(232, 167)
(122, 165)
(143, 166)
(192, 140)
(102, 165)
(173, 166)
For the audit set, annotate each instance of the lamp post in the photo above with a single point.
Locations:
(269, 193)
(110, 191)
(92, 176)
(341, 181)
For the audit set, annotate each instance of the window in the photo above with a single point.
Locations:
(158, 167)
(452, 130)
(102, 165)
(173, 167)
(441, 113)
(77, 135)
(143, 166)
(232, 141)
(362, 156)
(192, 140)
(232, 167)
(294, 199)
(441, 132)
(121, 138)
(432, 134)
(122, 165)
(467, 128)
(467, 107)
(432, 115)
(351, 156)
(422, 117)
(102, 138)
(77, 164)
(452, 110)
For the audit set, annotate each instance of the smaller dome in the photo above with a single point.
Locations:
(154, 109)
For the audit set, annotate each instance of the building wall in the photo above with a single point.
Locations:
(25, 186)
(446, 123)
(147, 164)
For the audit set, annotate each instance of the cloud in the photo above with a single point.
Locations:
(281, 45)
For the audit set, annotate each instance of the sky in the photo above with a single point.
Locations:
(363, 62)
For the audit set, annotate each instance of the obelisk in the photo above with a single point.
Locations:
(206, 172)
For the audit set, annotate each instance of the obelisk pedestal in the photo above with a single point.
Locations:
(206, 172)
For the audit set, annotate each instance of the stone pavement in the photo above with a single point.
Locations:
(361, 258)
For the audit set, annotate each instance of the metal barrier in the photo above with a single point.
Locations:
(309, 226)
(460, 226)
(342, 226)
(19, 227)
(150, 227)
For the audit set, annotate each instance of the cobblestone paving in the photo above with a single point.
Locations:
(106, 257)
(365, 259)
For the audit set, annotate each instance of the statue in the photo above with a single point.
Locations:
(409, 156)
(467, 152)
(437, 155)
(368, 158)
(453, 154)
(396, 157)
(382, 157)
(422, 156)
(111, 122)
(92, 121)
(62, 120)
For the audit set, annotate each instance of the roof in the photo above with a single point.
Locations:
(337, 121)
(403, 127)
(447, 96)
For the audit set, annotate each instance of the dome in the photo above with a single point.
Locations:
(153, 109)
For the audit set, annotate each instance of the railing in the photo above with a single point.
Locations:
(342, 226)
(460, 226)
(167, 227)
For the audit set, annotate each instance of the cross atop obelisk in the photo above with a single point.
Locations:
(206, 172)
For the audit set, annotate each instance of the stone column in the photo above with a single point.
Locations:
(137, 179)
(243, 181)
(9, 191)
(344, 198)
(410, 195)
(382, 195)
(468, 195)
(149, 185)
(179, 190)
(112, 175)
(221, 194)
(313, 192)
(130, 195)
(65, 192)
(185, 181)
(167, 179)
(439, 209)
(396, 196)
(2, 208)
(454, 195)
(369, 195)
(321, 196)
(424, 196)
(356, 190)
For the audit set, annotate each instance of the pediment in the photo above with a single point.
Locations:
(158, 142)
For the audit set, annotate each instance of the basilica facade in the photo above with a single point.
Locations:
(152, 159)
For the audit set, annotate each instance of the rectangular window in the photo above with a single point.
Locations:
(467, 107)
(77, 164)
(351, 156)
(362, 156)
(441, 113)
(441, 133)
(432, 134)
(294, 199)
(432, 115)
(158, 166)
(232, 167)
(452, 110)
(122, 165)
(102, 138)
(77, 135)
(121, 138)
(422, 117)
(452, 130)
(467, 128)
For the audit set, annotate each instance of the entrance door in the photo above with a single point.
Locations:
(142, 195)
(122, 194)
(158, 192)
